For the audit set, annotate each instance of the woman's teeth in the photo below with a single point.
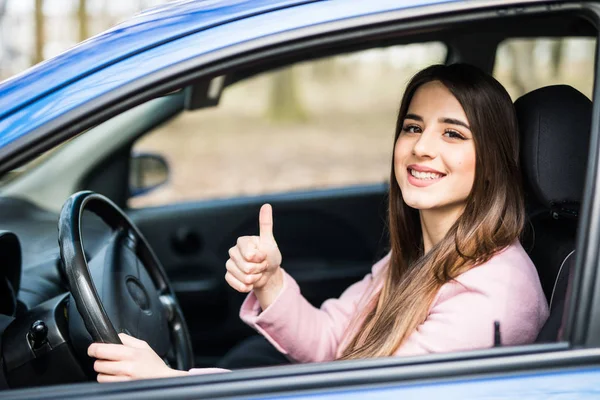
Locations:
(425, 175)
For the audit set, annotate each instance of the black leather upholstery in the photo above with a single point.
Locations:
(554, 124)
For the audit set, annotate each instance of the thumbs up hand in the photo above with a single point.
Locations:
(254, 262)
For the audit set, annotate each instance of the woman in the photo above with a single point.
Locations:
(455, 269)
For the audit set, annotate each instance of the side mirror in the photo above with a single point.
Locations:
(147, 172)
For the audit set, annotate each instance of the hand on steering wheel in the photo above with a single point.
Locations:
(134, 359)
(124, 288)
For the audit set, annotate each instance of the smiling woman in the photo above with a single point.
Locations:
(456, 272)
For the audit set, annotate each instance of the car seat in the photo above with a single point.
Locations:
(554, 125)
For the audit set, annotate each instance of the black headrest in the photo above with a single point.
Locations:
(554, 124)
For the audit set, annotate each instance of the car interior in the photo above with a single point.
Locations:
(190, 239)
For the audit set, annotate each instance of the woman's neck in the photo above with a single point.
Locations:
(436, 223)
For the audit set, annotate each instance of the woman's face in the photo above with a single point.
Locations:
(434, 156)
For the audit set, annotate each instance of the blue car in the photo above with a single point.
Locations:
(85, 140)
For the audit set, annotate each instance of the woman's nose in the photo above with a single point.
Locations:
(426, 145)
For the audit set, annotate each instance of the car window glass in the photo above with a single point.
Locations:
(319, 124)
(523, 65)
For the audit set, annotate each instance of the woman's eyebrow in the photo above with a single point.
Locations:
(414, 116)
(453, 122)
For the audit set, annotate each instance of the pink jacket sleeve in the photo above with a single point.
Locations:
(301, 331)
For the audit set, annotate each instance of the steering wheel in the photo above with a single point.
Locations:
(124, 288)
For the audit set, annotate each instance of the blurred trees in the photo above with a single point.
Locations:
(527, 64)
(40, 26)
(38, 54)
(325, 69)
(524, 64)
(556, 54)
(522, 68)
(82, 18)
(284, 99)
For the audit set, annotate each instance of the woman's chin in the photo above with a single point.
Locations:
(420, 204)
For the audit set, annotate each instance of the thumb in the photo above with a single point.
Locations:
(265, 221)
(132, 341)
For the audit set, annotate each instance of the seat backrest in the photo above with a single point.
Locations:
(554, 125)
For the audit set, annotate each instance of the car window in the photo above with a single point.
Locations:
(319, 124)
(523, 65)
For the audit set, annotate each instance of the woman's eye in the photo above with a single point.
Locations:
(453, 135)
(411, 129)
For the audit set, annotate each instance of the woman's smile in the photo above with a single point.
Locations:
(421, 176)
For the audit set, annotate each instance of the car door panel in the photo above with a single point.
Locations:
(329, 239)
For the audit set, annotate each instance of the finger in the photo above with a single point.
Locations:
(133, 341)
(247, 267)
(112, 367)
(242, 276)
(247, 248)
(265, 222)
(237, 285)
(102, 378)
(106, 351)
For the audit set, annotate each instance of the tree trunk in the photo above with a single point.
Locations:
(523, 75)
(556, 53)
(3, 42)
(325, 69)
(83, 20)
(284, 104)
(38, 55)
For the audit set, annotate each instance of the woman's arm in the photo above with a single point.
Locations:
(300, 330)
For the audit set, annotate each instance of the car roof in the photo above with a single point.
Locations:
(147, 30)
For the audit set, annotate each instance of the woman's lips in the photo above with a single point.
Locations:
(423, 182)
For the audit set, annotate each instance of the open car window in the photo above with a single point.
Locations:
(526, 64)
(314, 125)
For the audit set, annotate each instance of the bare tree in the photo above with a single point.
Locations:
(82, 17)
(523, 75)
(284, 104)
(38, 54)
(324, 69)
(556, 55)
(3, 42)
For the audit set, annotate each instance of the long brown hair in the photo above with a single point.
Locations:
(492, 220)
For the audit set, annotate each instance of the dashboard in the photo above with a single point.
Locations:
(30, 257)
(33, 289)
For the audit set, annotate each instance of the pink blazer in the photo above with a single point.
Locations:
(506, 289)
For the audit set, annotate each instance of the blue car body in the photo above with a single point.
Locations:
(185, 30)
(136, 49)
(576, 384)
